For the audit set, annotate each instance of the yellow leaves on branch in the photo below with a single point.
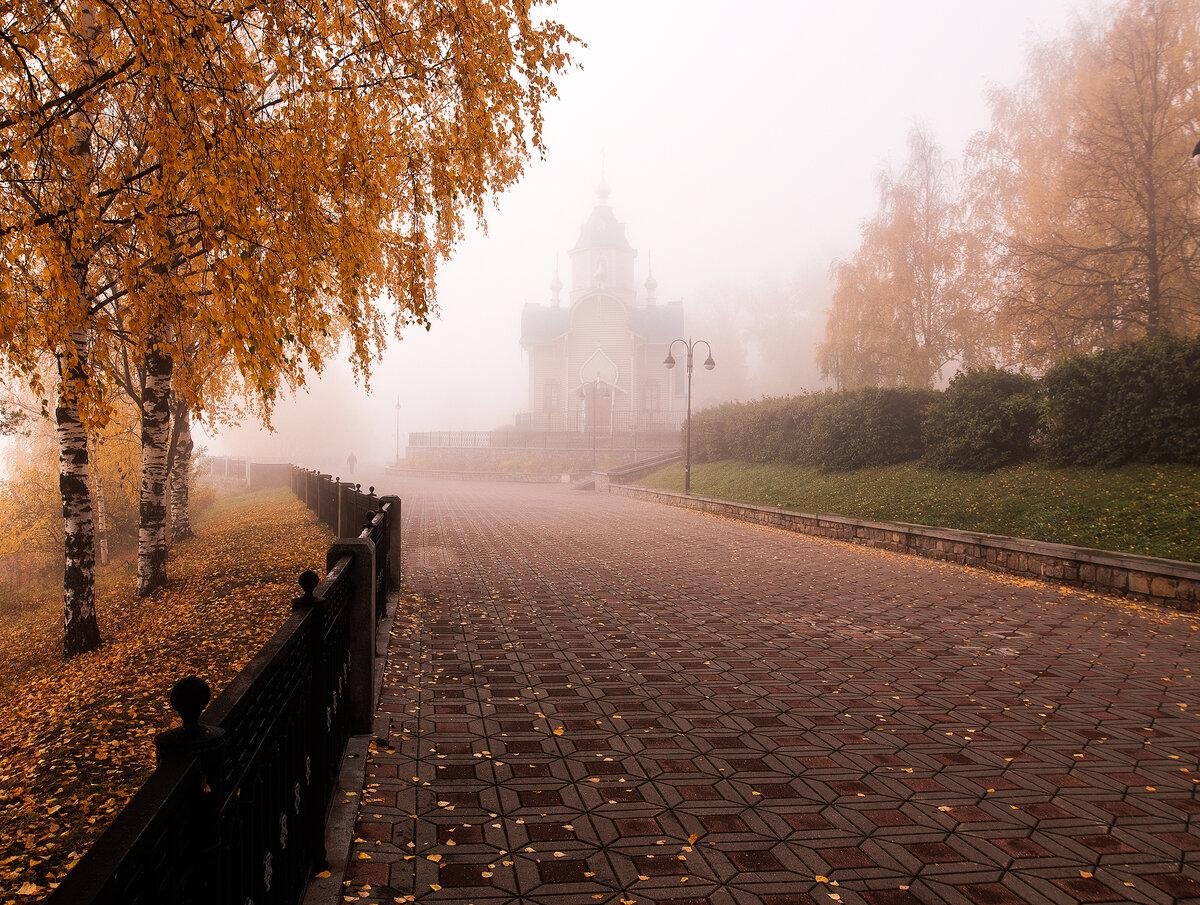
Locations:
(1070, 223)
(250, 182)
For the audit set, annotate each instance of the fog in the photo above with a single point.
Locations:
(741, 143)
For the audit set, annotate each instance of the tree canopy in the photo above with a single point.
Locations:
(1071, 224)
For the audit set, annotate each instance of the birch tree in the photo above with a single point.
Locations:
(900, 310)
(1086, 164)
(274, 179)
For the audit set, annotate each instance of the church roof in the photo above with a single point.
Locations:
(657, 323)
(542, 324)
(602, 229)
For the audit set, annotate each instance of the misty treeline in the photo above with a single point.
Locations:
(765, 334)
(201, 202)
(1069, 225)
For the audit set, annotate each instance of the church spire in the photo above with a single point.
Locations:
(602, 190)
(651, 283)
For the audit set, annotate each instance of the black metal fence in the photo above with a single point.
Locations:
(235, 809)
(351, 513)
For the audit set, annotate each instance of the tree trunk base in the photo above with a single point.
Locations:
(82, 637)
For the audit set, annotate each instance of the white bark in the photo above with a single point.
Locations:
(152, 509)
(81, 632)
(181, 476)
(101, 522)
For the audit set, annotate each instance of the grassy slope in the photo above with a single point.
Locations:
(77, 738)
(1148, 509)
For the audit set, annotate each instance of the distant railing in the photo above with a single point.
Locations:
(229, 467)
(618, 422)
(519, 438)
(235, 809)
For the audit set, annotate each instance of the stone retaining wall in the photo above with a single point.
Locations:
(1166, 582)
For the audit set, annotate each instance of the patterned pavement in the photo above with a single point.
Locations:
(599, 700)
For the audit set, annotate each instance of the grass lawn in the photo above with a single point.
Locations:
(77, 738)
(1153, 510)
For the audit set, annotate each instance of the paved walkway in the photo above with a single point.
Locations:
(592, 699)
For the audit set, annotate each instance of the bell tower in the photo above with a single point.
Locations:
(602, 259)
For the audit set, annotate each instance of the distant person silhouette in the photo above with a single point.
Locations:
(350, 463)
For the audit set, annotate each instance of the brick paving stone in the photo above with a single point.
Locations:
(593, 699)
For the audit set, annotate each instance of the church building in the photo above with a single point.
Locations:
(597, 358)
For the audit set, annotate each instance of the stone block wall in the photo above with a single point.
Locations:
(1165, 582)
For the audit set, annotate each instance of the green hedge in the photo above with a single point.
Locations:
(984, 419)
(852, 429)
(1135, 403)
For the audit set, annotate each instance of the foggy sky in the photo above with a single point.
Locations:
(741, 142)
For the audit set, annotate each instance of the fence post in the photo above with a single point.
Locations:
(361, 696)
(306, 602)
(395, 572)
(344, 519)
(337, 518)
(194, 739)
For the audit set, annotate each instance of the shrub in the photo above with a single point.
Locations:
(767, 430)
(984, 419)
(863, 428)
(835, 430)
(1134, 403)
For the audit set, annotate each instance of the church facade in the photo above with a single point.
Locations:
(596, 359)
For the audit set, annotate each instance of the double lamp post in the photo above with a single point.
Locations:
(709, 364)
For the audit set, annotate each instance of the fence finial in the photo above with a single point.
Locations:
(189, 696)
(371, 490)
(308, 581)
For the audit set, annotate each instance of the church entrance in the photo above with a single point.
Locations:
(598, 408)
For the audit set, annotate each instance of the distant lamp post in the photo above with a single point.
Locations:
(594, 389)
(709, 364)
(397, 430)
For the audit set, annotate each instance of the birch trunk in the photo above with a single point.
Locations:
(101, 522)
(152, 508)
(81, 631)
(181, 475)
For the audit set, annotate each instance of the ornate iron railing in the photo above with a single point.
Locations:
(235, 809)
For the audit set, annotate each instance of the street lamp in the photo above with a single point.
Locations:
(709, 364)
(397, 430)
(594, 387)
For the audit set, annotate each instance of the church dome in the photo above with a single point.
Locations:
(602, 228)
